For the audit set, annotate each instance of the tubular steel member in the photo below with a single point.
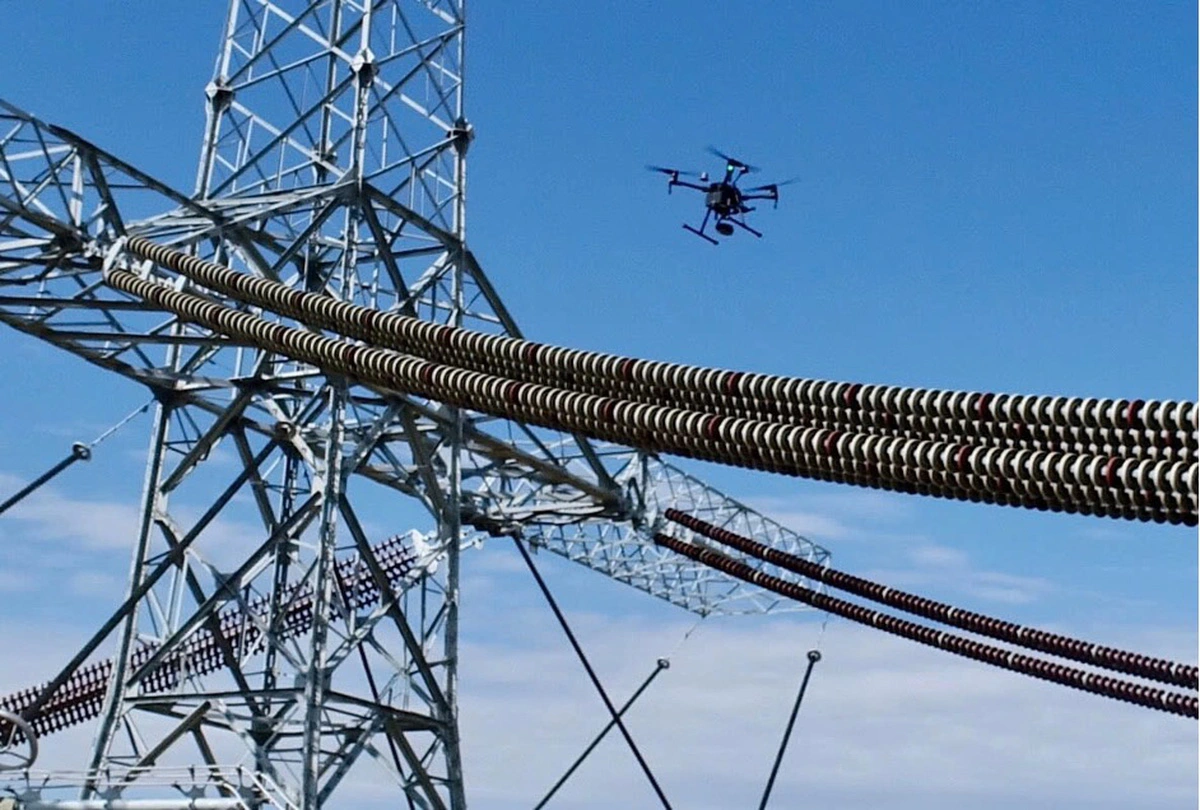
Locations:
(1159, 430)
(1159, 491)
(192, 803)
(79, 452)
(1149, 697)
(813, 657)
(660, 665)
(333, 159)
(592, 676)
(1143, 666)
(14, 732)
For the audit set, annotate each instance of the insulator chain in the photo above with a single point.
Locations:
(1125, 487)
(1154, 430)
(1148, 696)
(80, 698)
(1143, 666)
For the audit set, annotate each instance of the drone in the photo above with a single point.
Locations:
(723, 199)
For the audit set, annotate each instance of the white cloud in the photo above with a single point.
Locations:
(835, 515)
(885, 724)
(996, 586)
(878, 519)
(14, 582)
(950, 570)
(47, 514)
(939, 556)
(92, 583)
(58, 522)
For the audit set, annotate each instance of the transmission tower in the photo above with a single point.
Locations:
(273, 668)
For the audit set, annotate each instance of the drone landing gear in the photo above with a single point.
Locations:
(701, 234)
(744, 227)
(723, 227)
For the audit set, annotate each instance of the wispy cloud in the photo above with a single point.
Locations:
(902, 558)
(886, 724)
(47, 514)
(94, 583)
(951, 570)
(835, 515)
(57, 521)
(14, 582)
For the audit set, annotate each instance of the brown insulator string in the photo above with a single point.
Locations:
(1161, 491)
(1159, 431)
(1143, 666)
(81, 697)
(1150, 697)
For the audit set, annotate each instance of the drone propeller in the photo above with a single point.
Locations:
(773, 189)
(732, 161)
(672, 172)
(774, 186)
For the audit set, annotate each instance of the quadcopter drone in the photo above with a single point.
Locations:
(723, 199)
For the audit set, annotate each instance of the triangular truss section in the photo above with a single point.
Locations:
(294, 629)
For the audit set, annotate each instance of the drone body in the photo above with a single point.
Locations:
(725, 203)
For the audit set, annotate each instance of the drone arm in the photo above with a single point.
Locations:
(772, 196)
(686, 184)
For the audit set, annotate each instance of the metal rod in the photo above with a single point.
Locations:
(136, 804)
(18, 727)
(813, 657)
(612, 710)
(662, 664)
(79, 452)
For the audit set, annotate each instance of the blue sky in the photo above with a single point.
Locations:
(993, 197)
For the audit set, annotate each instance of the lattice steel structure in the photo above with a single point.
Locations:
(334, 159)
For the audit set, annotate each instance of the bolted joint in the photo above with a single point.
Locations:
(469, 516)
(461, 135)
(63, 243)
(324, 677)
(219, 96)
(168, 398)
(262, 729)
(326, 157)
(364, 68)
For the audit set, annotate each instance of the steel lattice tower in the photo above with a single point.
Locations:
(333, 159)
